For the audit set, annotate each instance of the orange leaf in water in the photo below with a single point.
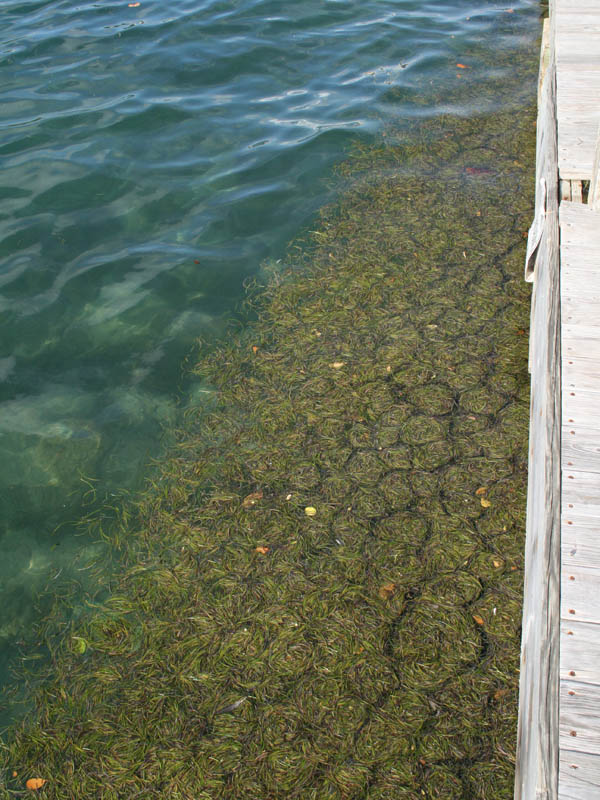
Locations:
(262, 549)
(479, 620)
(35, 783)
(252, 499)
(133, 5)
(387, 590)
(254, 348)
(481, 490)
(463, 66)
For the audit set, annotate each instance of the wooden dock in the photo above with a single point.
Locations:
(558, 750)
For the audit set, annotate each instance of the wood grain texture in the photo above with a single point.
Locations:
(579, 776)
(580, 309)
(581, 448)
(558, 754)
(576, 192)
(577, 49)
(580, 599)
(582, 407)
(575, 218)
(581, 373)
(579, 543)
(594, 193)
(580, 652)
(581, 497)
(579, 729)
(536, 773)
(576, 32)
(580, 342)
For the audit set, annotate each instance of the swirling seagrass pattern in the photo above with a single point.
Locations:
(323, 591)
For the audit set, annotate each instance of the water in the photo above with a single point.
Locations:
(152, 158)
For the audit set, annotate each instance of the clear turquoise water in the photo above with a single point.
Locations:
(151, 158)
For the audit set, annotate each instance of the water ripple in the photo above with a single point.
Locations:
(152, 158)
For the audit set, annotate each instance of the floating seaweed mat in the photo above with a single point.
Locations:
(323, 590)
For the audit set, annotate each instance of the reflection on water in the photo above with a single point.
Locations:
(152, 157)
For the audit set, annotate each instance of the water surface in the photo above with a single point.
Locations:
(152, 158)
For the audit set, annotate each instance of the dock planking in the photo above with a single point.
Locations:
(537, 764)
(579, 704)
(558, 748)
(577, 27)
(578, 89)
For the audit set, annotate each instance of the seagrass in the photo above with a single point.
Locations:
(248, 650)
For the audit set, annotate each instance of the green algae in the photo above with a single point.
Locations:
(371, 650)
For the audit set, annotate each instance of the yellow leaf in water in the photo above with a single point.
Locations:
(262, 549)
(310, 511)
(338, 364)
(479, 620)
(387, 590)
(79, 645)
(35, 783)
(497, 563)
(252, 499)
(485, 503)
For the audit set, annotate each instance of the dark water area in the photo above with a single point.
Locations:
(153, 157)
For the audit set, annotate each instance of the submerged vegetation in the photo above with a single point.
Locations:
(322, 592)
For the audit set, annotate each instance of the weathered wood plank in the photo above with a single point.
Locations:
(594, 193)
(580, 310)
(582, 407)
(575, 289)
(579, 775)
(544, 58)
(582, 496)
(581, 373)
(579, 544)
(580, 599)
(580, 652)
(577, 48)
(536, 773)
(582, 343)
(579, 729)
(580, 226)
(581, 450)
(576, 192)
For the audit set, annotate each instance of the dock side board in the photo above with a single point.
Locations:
(536, 776)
